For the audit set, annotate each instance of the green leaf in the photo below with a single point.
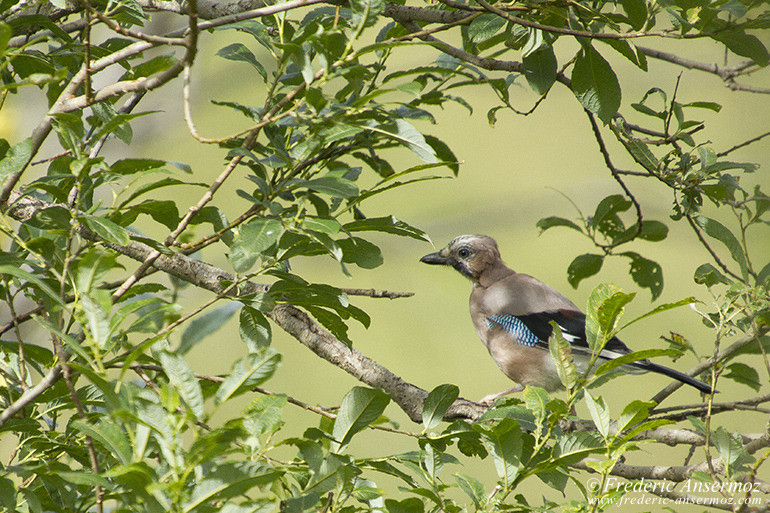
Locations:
(110, 435)
(326, 225)
(5, 35)
(575, 446)
(595, 84)
(605, 218)
(204, 325)
(360, 407)
(742, 373)
(437, 403)
(405, 133)
(721, 233)
(29, 278)
(360, 252)
(540, 69)
(96, 320)
(745, 45)
(387, 225)
(16, 157)
(484, 27)
(247, 373)
(600, 413)
(646, 273)
(633, 357)
(365, 12)
(628, 51)
(251, 240)
(226, 480)
(84, 477)
(730, 447)
(636, 11)
(107, 230)
(239, 52)
(562, 356)
(553, 221)
(508, 447)
(633, 413)
(254, 329)
(663, 308)
(704, 105)
(473, 488)
(182, 378)
(536, 399)
(708, 275)
(605, 306)
(582, 267)
(642, 154)
(333, 185)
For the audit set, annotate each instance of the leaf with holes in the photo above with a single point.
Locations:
(646, 273)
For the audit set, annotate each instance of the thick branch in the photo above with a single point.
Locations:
(292, 320)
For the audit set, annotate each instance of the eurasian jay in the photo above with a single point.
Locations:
(512, 313)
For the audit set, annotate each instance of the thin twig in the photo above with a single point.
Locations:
(615, 174)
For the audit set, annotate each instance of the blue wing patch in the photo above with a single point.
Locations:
(515, 327)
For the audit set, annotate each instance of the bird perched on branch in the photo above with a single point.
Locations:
(512, 313)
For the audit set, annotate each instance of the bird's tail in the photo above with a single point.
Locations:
(679, 376)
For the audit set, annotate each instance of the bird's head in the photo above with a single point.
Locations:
(470, 255)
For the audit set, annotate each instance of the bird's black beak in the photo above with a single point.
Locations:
(435, 259)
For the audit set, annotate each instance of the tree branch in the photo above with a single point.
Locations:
(292, 320)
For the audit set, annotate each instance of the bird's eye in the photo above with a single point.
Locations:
(464, 253)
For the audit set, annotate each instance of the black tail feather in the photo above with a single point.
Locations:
(679, 376)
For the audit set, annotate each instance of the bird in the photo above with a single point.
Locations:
(512, 314)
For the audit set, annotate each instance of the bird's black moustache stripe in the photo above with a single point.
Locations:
(462, 268)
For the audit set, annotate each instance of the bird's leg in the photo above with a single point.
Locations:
(491, 398)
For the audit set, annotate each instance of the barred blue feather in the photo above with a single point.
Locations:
(515, 327)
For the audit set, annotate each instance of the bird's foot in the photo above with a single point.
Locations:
(488, 400)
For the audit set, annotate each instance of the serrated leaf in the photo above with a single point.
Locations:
(600, 413)
(182, 378)
(605, 306)
(250, 240)
(484, 27)
(110, 435)
(633, 413)
(254, 329)
(107, 230)
(437, 403)
(248, 372)
(731, 450)
(536, 399)
(96, 320)
(360, 407)
(595, 84)
(562, 356)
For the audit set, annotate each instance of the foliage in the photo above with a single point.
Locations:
(337, 107)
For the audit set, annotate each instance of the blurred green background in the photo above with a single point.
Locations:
(513, 174)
